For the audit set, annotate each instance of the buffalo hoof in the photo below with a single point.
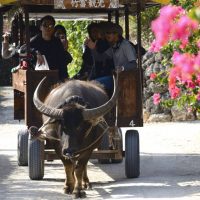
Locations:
(68, 190)
(79, 194)
(87, 185)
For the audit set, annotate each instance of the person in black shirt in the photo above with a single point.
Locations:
(96, 64)
(61, 33)
(51, 47)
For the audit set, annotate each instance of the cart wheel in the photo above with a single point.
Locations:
(36, 159)
(118, 145)
(22, 147)
(104, 146)
(132, 157)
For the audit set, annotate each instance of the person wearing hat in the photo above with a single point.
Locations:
(122, 51)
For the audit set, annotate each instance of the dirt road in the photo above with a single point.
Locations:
(170, 165)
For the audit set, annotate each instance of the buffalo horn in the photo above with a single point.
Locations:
(94, 113)
(44, 109)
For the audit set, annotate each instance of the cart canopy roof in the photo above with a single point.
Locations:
(51, 2)
(38, 8)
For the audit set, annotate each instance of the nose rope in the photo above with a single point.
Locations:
(99, 122)
(102, 124)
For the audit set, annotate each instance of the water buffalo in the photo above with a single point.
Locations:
(73, 112)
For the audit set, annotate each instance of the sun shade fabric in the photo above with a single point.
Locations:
(4, 2)
(162, 1)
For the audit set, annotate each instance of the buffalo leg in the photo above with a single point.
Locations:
(69, 170)
(86, 183)
(78, 190)
(70, 179)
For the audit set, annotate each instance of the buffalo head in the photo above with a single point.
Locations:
(73, 117)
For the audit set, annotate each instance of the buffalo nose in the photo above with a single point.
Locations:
(67, 151)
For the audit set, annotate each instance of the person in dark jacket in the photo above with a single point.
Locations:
(96, 63)
(51, 47)
(61, 33)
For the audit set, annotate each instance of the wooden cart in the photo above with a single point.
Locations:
(129, 105)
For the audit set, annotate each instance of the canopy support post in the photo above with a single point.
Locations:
(109, 16)
(117, 16)
(126, 18)
(139, 59)
(1, 30)
(27, 30)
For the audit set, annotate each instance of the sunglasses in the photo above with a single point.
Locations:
(48, 25)
(110, 32)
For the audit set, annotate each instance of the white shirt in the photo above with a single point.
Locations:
(122, 53)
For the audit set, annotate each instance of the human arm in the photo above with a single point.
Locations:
(126, 67)
(6, 51)
(129, 60)
(62, 59)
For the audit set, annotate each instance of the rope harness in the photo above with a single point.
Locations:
(35, 133)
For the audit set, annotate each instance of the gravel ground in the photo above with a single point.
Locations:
(170, 165)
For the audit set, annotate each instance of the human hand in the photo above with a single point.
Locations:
(66, 45)
(40, 59)
(88, 42)
(119, 69)
(6, 37)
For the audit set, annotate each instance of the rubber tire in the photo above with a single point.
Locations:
(22, 147)
(132, 155)
(104, 146)
(119, 146)
(36, 159)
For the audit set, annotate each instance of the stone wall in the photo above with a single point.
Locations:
(152, 63)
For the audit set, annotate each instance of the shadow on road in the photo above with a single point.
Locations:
(6, 168)
(162, 175)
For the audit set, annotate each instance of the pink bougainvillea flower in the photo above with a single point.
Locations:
(198, 44)
(174, 75)
(190, 84)
(156, 98)
(197, 63)
(174, 92)
(154, 47)
(198, 79)
(163, 25)
(185, 62)
(198, 96)
(189, 109)
(153, 76)
(171, 12)
(182, 29)
(172, 24)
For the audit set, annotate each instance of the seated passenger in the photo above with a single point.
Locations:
(97, 64)
(51, 47)
(60, 33)
(87, 69)
(10, 50)
(122, 52)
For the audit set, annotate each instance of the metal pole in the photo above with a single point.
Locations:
(117, 16)
(21, 29)
(109, 16)
(27, 30)
(15, 31)
(126, 15)
(1, 30)
(139, 58)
